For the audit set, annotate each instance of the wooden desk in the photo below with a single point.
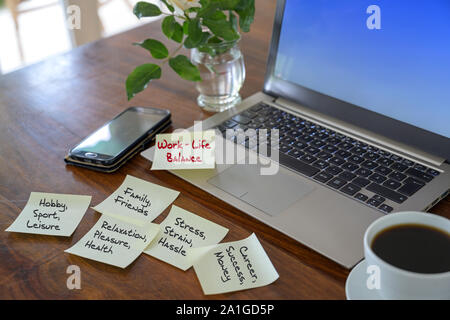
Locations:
(49, 107)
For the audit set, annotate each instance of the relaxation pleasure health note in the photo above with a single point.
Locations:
(184, 150)
(180, 231)
(114, 241)
(137, 201)
(51, 214)
(232, 266)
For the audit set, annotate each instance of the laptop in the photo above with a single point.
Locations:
(360, 97)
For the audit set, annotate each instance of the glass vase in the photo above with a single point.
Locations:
(222, 70)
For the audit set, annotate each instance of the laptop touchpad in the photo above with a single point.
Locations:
(271, 194)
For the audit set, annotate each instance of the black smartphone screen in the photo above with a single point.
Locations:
(119, 134)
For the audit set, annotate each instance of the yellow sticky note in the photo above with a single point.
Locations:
(232, 266)
(137, 201)
(180, 231)
(114, 241)
(184, 150)
(51, 214)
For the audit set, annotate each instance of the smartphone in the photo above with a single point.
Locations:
(115, 139)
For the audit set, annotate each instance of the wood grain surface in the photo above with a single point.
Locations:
(49, 107)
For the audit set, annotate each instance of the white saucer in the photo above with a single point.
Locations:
(355, 286)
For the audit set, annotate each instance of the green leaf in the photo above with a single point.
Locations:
(222, 29)
(246, 12)
(139, 79)
(172, 29)
(233, 21)
(186, 27)
(195, 34)
(210, 7)
(170, 7)
(157, 49)
(184, 68)
(145, 9)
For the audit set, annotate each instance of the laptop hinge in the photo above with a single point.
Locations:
(367, 136)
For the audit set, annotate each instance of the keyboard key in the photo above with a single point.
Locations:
(386, 192)
(256, 108)
(294, 133)
(336, 161)
(362, 182)
(378, 178)
(397, 176)
(420, 167)
(433, 172)
(249, 114)
(305, 138)
(308, 158)
(350, 189)
(311, 150)
(371, 156)
(241, 119)
(329, 148)
(383, 170)
(384, 153)
(297, 165)
(363, 172)
(419, 174)
(410, 186)
(229, 124)
(336, 182)
(392, 184)
(346, 175)
(378, 198)
(374, 203)
(333, 140)
(358, 150)
(345, 145)
(343, 154)
(317, 143)
(384, 207)
(349, 166)
(333, 170)
(407, 162)
(321, 164)
(385, 162)
(369, 164)
(324, 155)
(299, 145)
(361, 197)
(355, 159)
(397, 166)
(284, 148)
(396, 158)
(323, 176)
(295, 153)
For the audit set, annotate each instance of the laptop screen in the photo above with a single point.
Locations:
(392, 58)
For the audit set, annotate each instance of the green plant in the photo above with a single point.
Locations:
(191, 24)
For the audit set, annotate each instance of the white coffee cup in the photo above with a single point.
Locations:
(396, 283)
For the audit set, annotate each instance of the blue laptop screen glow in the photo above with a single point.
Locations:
(392, 58)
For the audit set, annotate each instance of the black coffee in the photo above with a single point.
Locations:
(414, 247)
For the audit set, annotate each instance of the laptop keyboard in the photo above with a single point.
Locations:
(345, 164)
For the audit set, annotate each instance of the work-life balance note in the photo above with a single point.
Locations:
(232, 266)
(137, 201)
(184, 150)
(51, 214)
(181, 231)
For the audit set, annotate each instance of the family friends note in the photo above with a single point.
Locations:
(180, 231)
(185, 150)
(232, 266)
(137, 201)
(114, 241)
(51, 214)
